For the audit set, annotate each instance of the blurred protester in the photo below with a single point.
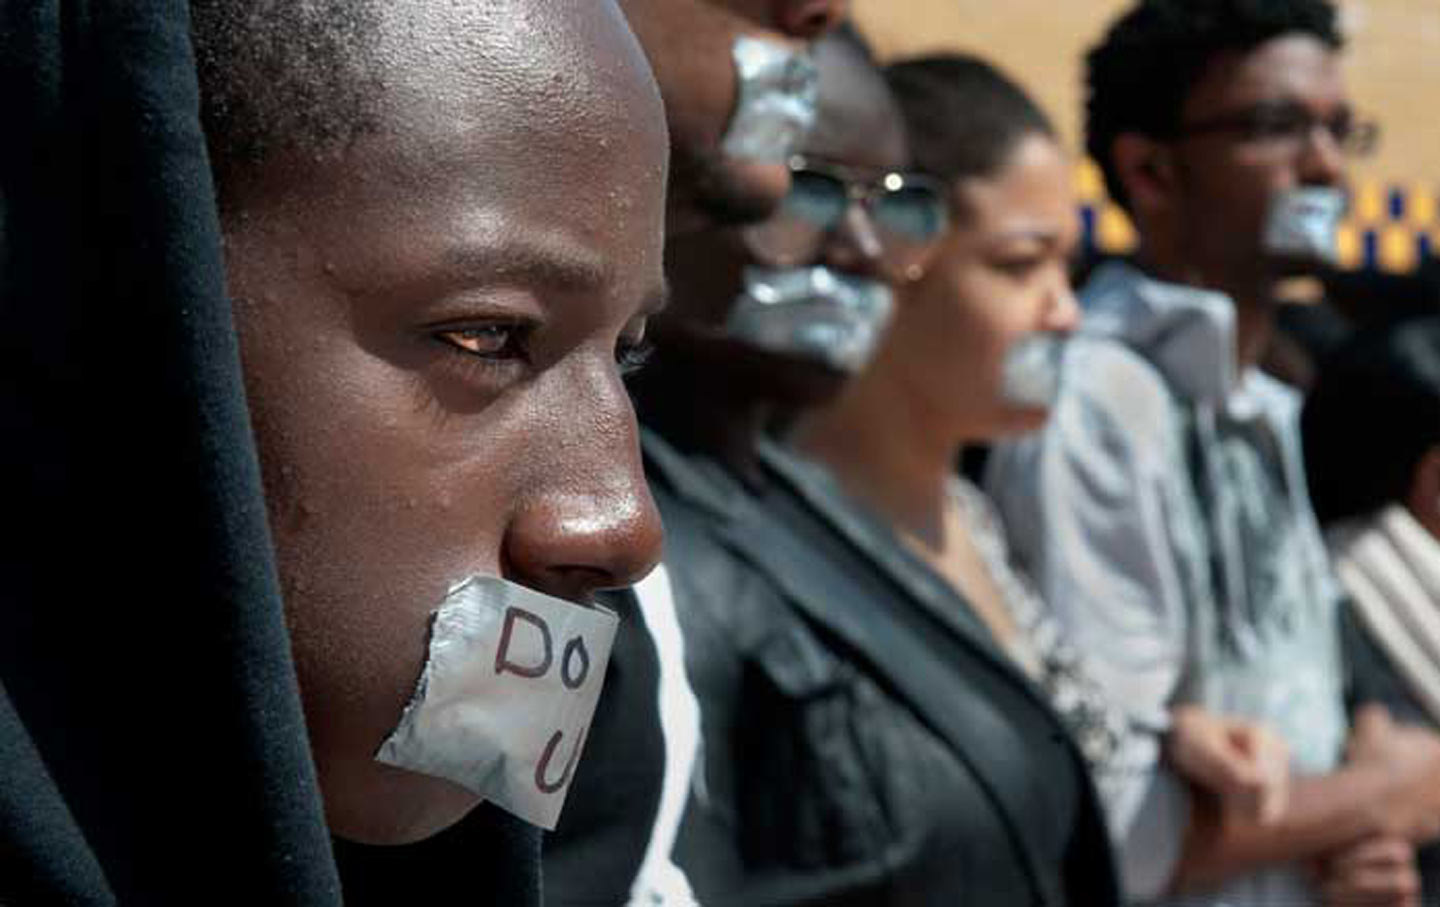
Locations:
(739, 89)
(442, 228)
(972, 356)
(864, 740)
(1305, 333)
(1329, 311)
(1372, 450)
(1162, 509)
(739, 93)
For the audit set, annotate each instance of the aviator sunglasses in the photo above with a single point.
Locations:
(908, 212)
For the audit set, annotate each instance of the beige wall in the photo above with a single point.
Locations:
(1393, 60)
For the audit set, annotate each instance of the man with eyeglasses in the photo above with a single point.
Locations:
(1163, 510)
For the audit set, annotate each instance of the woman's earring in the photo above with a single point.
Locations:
(913, 272)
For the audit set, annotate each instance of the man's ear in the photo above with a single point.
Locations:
(1146, 169)
(1424, 502)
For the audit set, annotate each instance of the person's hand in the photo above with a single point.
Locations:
(1404, 765)
(1245, 765)
(1375, 872)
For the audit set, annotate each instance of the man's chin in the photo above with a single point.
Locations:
(1286, 267)
(789, 381)
(386, 806)
(804, 384)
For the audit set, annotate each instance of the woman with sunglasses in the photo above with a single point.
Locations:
(971, 356)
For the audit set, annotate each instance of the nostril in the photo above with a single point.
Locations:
(810, 18)
(573, 545)
(815, 24)
(576, 584)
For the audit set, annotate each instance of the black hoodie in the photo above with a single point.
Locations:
(152, 744)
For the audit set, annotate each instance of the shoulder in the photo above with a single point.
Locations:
(1114, 413)
(1109, 386)
(725, 606)
(1279, 400)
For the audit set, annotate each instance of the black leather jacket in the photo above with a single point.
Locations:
(865, 741)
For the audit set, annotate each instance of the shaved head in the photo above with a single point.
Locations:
(309, 78)
(443, 224)
(292, 74)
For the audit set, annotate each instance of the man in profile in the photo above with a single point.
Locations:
(442, 226)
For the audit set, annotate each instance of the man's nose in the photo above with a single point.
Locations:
(589, 522)
(854, 245)
(1322, 160)
(574, 544)
(808, 19)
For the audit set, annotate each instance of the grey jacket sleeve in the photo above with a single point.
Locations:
(1091, 504)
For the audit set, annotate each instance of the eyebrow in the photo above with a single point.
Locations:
(1290, 101)
(551, 261)
(1045, 235)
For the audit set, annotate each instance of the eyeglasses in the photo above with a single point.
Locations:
(907, 210)
(1290, 125)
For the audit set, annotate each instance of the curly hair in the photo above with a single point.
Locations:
(963, 116)
(1141, 73)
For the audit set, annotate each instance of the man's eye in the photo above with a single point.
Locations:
(1280, 121)
(491, 341)
(1341, 126)
(633, 354)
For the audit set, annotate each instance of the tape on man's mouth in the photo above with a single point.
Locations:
(506, 696)
(1303, 224)
(776, 95)
(814, 314)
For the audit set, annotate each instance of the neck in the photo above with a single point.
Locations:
(1251, 293)
(882, 445)
(701, 409)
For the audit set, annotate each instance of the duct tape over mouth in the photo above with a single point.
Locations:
(504, 702)
(815, 314)
(1304, 225)
(1031, 373)
(777, 89)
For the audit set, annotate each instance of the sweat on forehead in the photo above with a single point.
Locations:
(312, 76)
(531, 63)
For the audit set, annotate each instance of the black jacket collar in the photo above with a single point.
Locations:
(794, 531)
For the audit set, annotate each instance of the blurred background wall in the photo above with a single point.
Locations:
(1393, 60)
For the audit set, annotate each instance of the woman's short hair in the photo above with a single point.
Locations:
(963, 115)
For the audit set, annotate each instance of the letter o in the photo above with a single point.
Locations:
(574, 647)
